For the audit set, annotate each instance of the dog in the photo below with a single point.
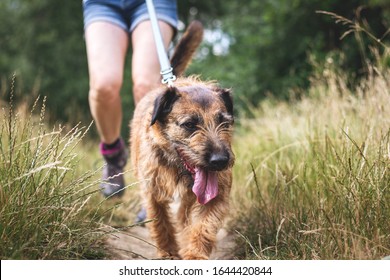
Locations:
(180, 144)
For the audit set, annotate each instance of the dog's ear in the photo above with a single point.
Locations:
(163, 104)
(226, 96)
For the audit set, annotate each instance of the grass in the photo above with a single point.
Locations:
(43, 193)
(313, 174)
(311, 179)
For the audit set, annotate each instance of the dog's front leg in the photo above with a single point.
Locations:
(161, 228)
(200, 235)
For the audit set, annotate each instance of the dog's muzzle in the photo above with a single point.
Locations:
(205, 181)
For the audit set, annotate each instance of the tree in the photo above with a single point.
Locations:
(272, 41)
(255, 47)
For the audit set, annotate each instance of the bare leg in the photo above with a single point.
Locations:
(106, 50)
(146, 76)
(145, 63)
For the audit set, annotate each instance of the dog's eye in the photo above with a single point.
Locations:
(225, 124)
(224, 120)
(190, 125)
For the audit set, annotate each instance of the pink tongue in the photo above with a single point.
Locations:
(205, 185)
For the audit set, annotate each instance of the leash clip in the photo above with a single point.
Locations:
(168, 77)
(167, 74)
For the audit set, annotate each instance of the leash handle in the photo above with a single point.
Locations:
(166, 69)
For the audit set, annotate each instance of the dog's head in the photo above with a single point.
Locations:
(196, 120)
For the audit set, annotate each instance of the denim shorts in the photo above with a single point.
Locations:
(127, 14)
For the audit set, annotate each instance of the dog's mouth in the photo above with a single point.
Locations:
(205, 181)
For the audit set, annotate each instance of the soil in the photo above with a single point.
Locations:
(136, 243)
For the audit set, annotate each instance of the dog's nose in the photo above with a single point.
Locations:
(219, 161)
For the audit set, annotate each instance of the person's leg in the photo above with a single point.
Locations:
(145, 63)
(146, 66)
(107, 45)
(106, 50)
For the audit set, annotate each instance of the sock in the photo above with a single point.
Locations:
(108, 149)
(111, 146)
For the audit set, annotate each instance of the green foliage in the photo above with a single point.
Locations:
(46, 39)
(272, 44)
(42, 42)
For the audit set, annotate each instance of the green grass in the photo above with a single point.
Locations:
(43, 192)
(312, 176)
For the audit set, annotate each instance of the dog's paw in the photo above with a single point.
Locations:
(174, 257)
(166, 256)
(192, 256)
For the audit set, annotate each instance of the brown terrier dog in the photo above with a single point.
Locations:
(181, 143)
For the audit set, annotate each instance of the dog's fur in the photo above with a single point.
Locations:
(181, 137)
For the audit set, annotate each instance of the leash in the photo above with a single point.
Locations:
(166, 68)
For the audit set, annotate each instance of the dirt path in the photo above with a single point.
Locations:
(137, 244)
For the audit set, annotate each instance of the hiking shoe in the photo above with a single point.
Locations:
(113, 183)
(141, 216)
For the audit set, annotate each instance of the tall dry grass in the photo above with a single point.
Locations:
(312, 176)
(43, 193)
